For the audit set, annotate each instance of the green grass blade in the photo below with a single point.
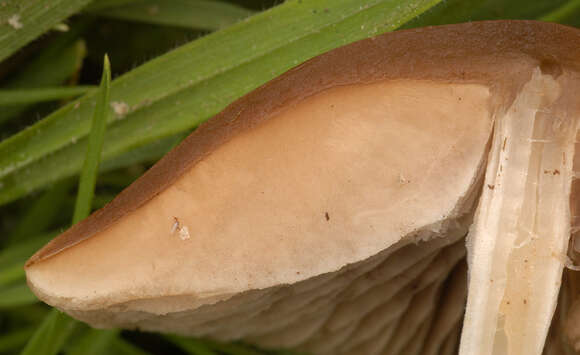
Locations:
(31, 96)
(18, 253)
(23, 21)
(198, 14)
(563, 13)
(41, 213)
(59, 60)
(455, 11)
(177, 91)
(68, 161)
(51, 335)
(91, 166)
(147, 153)
(16, 295)
(14, 339)
(57, 327)
(53, 66)
(106, 4)
(93, 342)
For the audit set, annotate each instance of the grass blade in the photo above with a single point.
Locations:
(21, 251)
(59, 60)
(106, 4)
(52, 67)
(29, 19)
(51, 335)
(93, 342)
(564, 13)
(95, 145)
(199, 14)
(31, 96)
(14, 340)
(57, 327)
(41, 214)
(177, 91)
(455, 11)
(147, 153)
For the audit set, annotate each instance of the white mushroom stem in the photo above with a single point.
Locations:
(517, 244)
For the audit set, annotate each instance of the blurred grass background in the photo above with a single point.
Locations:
(175, 63)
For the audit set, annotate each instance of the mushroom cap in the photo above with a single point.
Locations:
(326, 185)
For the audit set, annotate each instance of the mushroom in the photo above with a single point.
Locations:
(327, 210)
